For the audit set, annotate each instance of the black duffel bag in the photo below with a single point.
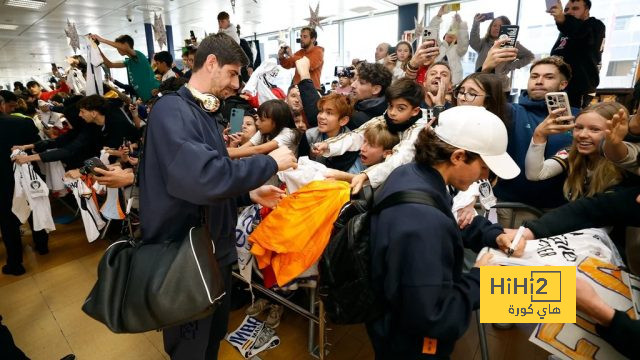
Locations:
(143, 287)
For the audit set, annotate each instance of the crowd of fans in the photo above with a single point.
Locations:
(387, 122)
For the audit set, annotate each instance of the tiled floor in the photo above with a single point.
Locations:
(43, 311)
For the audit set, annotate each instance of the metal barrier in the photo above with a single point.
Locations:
(315, 351)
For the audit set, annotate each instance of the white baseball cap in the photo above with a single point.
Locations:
(475, 129)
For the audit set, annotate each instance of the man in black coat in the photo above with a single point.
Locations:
(580, 43)
(185, 166)
(14, 131)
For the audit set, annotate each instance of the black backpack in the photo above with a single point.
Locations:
(345, 266)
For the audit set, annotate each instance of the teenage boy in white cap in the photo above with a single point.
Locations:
(417, 249)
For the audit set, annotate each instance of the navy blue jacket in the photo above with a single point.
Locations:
(417, 257)
(525, 117)
(185, 165)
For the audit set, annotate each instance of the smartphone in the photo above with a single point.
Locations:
(488, 16)
(237, 117)
(558, 100)
(551, 3)
(392, 50)
(93, 163)
(430, 33)
(510, 32)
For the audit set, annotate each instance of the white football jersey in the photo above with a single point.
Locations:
(91, 218)
(31, 195)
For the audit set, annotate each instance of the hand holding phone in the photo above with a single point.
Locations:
(93, 163)
(558, 100)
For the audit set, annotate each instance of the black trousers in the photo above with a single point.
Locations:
(10, 228)
(200, 340)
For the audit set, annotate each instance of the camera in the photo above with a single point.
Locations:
(344, 71)
(129, 15)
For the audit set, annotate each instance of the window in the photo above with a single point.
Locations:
(622, 22)
(620, 68)
(362, 36)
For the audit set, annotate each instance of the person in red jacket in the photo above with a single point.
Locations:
(36, 90)
(311, 50)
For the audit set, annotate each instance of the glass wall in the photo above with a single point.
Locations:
(362, 36)
(538, 33)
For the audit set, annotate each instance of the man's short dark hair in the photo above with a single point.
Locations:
(163, 57)
(18, 85)
(172, 84)
(125, 39)
(312, 32)
(223, 15)
(375, 74)
(407, 89)
(587, 3)
(93, 103)
(32, 83)
(226, 50)
(443, 63)
(558, 62)
(8, 96)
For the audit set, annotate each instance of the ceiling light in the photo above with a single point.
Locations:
(29, 4)
(8, 27)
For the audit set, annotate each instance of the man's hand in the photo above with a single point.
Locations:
(552, 125)
(442, 11)
(484, 260)
(284, 158)
(73, 174)
(97, 38)
(267, 196)
(22, 147)
(23, 159)
(425, 55)
(358, 182)
(440, 98)
(466, 215)
(498, 55)
(115, 177)
(504, 241)
(302, 67)
(557, 11)
(319, 149)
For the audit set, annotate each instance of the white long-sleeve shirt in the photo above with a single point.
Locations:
(537, 168)
(403, 152)
(630, 162)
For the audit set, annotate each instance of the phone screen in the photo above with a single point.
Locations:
(237, 117)
(488, 16)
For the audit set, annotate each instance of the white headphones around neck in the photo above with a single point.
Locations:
(208, 102)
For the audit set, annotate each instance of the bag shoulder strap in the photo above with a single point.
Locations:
(407, 196)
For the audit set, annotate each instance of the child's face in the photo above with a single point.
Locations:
(329, 121)
(399, 111)
(248, 127)
(371, 155)
(403, 52)
(300, 123)
(265, 125)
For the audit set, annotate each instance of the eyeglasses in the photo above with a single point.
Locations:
(466, 96)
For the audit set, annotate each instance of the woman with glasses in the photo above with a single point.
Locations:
(482, 89)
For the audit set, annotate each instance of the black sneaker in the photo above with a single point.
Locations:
(16, 270)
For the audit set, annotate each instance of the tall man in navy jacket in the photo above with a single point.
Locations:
(186, 166)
